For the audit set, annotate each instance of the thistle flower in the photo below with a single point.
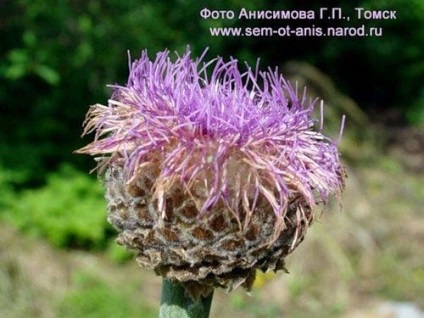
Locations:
(211, 173)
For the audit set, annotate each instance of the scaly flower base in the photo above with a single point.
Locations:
(217, 250)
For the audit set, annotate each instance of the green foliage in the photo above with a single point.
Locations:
(415, 113)
(118, 253)
(55, 60)
(6, 190)
(69, 211)
(92, 297)
(385, 72)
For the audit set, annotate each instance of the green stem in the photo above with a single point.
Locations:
(175, 303)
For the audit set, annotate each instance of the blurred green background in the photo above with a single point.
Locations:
(57, 256)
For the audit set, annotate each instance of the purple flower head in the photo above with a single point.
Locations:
(237, 135)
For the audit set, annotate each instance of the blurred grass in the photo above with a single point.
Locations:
(37, 280)
(369, 252)
(92, 297)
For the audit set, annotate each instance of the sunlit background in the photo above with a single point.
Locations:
(57, 252)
